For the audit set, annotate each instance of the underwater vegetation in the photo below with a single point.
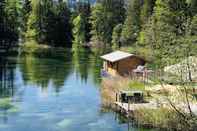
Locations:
(8, 105)
(5, 104)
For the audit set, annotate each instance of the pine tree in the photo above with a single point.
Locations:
(116, 36)
(49, 23)
(58, 26)
(146, 10)
(132, 23)
(13, 9)
(32, 22)
(160, 32)
(79, 31)
(81, 23)
(2, 14)
(26, 12)
(106, 14)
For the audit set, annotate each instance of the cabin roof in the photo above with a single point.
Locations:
(116, 56)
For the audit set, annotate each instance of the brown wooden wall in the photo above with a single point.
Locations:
(127, 65)
(124, 66)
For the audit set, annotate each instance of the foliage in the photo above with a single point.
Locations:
(10, 11)
(146, 11)
(81, 25)
(49, 22)
(104, 17)
(131, 25)
(116, 36)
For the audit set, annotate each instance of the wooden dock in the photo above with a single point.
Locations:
(128, 108)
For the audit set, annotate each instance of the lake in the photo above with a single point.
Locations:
(55, 91)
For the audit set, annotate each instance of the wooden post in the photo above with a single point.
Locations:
(116, 97)
(128, 105)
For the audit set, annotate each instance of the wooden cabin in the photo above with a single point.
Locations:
(121, 63)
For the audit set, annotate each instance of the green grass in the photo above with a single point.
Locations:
(135, 85)
(164, 118)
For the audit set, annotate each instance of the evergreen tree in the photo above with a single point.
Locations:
(81, 29)
(13, 10)
(32, 22)
(49, 22)
(160, 33)
(58, 29)
(26, 12)
(2, 18)
(132, 23)
(116, 36)
(146, 10)
(106, 14)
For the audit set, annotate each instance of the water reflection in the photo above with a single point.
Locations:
(41, 71)
(7, 68)
(58, 89)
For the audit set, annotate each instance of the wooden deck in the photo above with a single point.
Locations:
(127, 108)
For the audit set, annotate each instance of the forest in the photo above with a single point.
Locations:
(155, 29)
(59, 44)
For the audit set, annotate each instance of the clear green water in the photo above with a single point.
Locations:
(54, 92)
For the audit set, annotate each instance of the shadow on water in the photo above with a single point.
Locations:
(7, 85)
(7, 73)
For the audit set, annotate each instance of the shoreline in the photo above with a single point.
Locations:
(161, 116)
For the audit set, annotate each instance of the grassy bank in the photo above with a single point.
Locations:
(164, 116)
(113, 85)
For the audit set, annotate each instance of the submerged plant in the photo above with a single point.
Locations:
(5, 104)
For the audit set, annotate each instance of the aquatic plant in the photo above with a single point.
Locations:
(14, 109)
(5, 104)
